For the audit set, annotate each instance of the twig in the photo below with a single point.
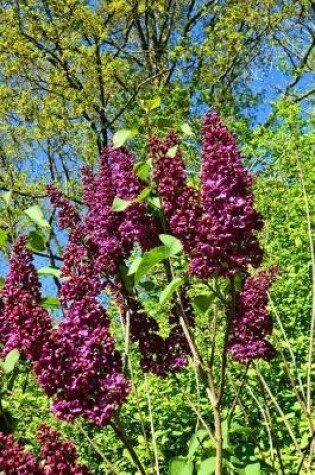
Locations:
(154, 443)
(96, 448)
(280, 411)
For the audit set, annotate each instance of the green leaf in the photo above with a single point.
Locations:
(2, 281)
(172, 151)
(50, 302)
(155, 201)
(149, 260)
(143, 195)
(120, 205)
(3, 238)
(180, 466)
(203, 301)
(7, 196)
(10, 361)
(196, 440)
(121, 136)
(165, 123)
(134, 266)
(49, 271)
(174, 246)
(186, 129)
(36, 240)
(142, 170)
(252, 469)
(150, 104)
(207, 467)
(170, 289)
(148, 285)
(36, 214)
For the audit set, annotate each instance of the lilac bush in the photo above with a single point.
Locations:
(77, 362)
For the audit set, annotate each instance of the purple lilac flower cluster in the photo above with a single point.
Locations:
(114, 233)
(158, 355)
(79, 365)
(14, 459)
(180, 201)
(80, 368)
(68, 216)
(24, 324)
(227, 242)
(57, 456)
(217, 228)
(251, 321)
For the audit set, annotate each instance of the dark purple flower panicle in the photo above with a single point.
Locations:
(58, 456)
(218, 229)
(14, 459)
(168, 171)
(24, 324)
(114, 234)
(68, 216)
(251, 321)
(137, 225)
(79, 366)
(227, 240)
(180, 201)
(158, 355)
(101, 223)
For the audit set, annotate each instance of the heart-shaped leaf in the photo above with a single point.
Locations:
(186, 129)
(120, 205)
(173, 245)
(172, 151)
(207, 467)
(170, 289)
(36, 214)
(180, 466)
(121, 136)
(10, 361)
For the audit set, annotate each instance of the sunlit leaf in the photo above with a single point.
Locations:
(207, 467)
(187, 129)
(10, 361)
(180, 466)
(174, 246)
(50, 302)
(120, 205)
(167, 293)
(53, 271)
(36, 214)
(172, 151)
(7, 196)
(121, 136)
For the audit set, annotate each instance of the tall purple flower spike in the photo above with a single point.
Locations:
(251, 321)
(57, 456)
(218, 227)
(227, 242)
(24, 324)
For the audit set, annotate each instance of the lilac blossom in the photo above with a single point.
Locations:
(251, 321)
(24, 324)
(57, 456)
(14, 459)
